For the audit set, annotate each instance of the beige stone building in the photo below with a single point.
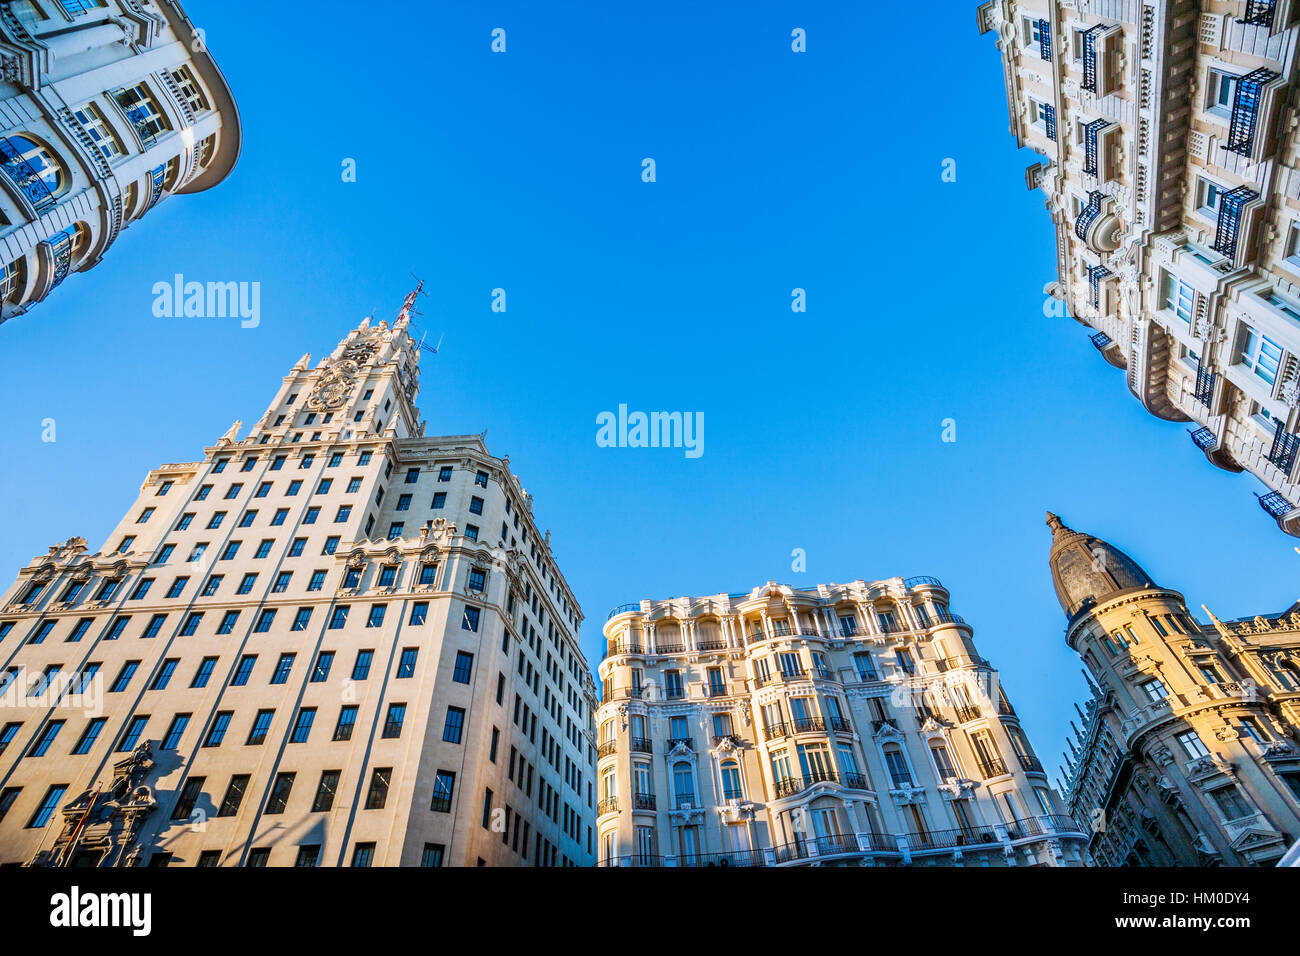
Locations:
(1171, 176)
(106, 106)
(1188, 751)
(851, 724)
(335, 641)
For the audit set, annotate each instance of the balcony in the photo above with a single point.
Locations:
(1283, 452)
(951, 839)
(643, 801)
(1049, 122)
(968, 712)
(877, 725)
(922, 580)
(840, 725)
(25, 177)
(1030, 763)
(1095, 276)
(1204, 438)
(1097, 224)
(623, 609)
(855, 781)
(1101, 341)
(606, 749)
(776, 732)
(789, 786)
(1275, 505)
(713, 645)
(1205, 379)
(1088, 214)
(716, 691)
(1259, 13)
(641, 745)
(1091, 153)
(808, 725)
(991, 767)
(607, 806)
(1228, 229)
(1044, 29)
(623, 647)
(670, 648)
(1248, 112)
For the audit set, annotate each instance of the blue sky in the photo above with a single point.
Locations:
(775, 170)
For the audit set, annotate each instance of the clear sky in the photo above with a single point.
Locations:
(775, 171)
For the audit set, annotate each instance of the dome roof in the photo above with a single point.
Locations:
(1087, 570)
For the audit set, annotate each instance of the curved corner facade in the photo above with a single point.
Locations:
(845, 724)
(1187, 755)
(1172, 178)
(106, 107)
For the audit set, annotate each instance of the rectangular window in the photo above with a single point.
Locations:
(243, 670)
(393, 722)
(451, 730)
(228, 622)
(464, 665)
(419, 611)
(172, 739)
(302, 725)
(444, 784)
(234, 795)
(406, 667)
(361, 669)
(217, 732)
(282, 668)
(377, 795)
(347, 720)
(204, 673)
(261, 726)
(50, 803)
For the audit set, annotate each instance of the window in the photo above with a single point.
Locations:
(419, 611)
(234, 795)
(302, 725)
(264, 621)
(172, 739)
(387, 576)
(393, 721)
(451, 730)
(1258, 353)
(309, 517)
(470, 620)
(476, 506)
(477, 579)
(228, 622)
(377, 796)
(412, 475)
(164, 675)
(217, 732)
(343, 513)
(481, 479)
(464, 665)
(471, 532)
(352, 578)
(45, 738)
(1192, 745)
(131, 736)
(339, 618)
(204, 673)
(347, 720)
(439, 499)
(444, 784)
(325, 790)
(317, 581)
(281, 582)
(1154, 690)
(1208, 195)
(376, 618)
(90, 735)
(282, 668)
(124, 677)
(50, 803)
(1221, 92)
(242, 670)
(1231, 803)
(261, 726)
(899, 773)
(361, 669)
(93, 122)
(406, 667)
(444, 473)
(301, 619)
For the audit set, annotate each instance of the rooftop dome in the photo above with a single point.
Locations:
(1087, 570)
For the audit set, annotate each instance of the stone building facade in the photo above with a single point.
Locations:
(1172, 179)
(850, 724)
(1188, 751)
(335, 641)
(106, 107)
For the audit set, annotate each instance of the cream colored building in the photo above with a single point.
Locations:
(106, 106)
(846, 724)
(1169, 131)
(1188, 751)
(335, 641)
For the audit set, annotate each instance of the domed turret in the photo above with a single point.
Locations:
(1087, 570)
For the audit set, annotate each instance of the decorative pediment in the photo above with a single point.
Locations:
(357, 558)
(958, 789)
(906, 795)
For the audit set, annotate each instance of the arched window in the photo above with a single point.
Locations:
(731, 789)
(942, 761)
(33, 168)
(683, 783)
(11, 281)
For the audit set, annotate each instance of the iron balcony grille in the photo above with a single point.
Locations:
(1260, 12)
(156, 185)
(61, 248)
(1090, 163)
(607, 806)
(1045, 41)
(918, 580)
(623, 609)
(641, 745)
(1089, 213)
(1090, 58)
(1101, 340)
(1245, 110)
(1204, 438)
(643, 801)
(1283, 453)
(1049, 121)
(24, 175)
(1229, 225)
(1274, 504)
(1095, 275)
(1204, 385)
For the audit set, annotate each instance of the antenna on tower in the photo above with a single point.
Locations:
(408, 306)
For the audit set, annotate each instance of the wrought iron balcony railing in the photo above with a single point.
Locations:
(805, 725)
(840, 725)
(789, 786)
(1031, 763)
(717, 691)
(607, 806)
(1087, 214)
(1049, 122)
(623, 647)
(991, 767)
(623, 609)
(1228, 228)
(1091, 165)
(24, 175)
(967, 712)
(1260, 13)
(1283, 452)
(1101, 340)
(1275, 504)
(606, 748)
(1090, 58)
(669, 648)
(1203, 438)
(918, 580)
(1045, 41)
(776, 732)
(643, 801)
(1204, 385)
(641, 745)
(1095, 275)
(1244, 124)
(713, 645)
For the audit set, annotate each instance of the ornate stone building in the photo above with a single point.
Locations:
(1171, 176)
(106, 106)
(1188, 751)
(338, 641)
(849, 724)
